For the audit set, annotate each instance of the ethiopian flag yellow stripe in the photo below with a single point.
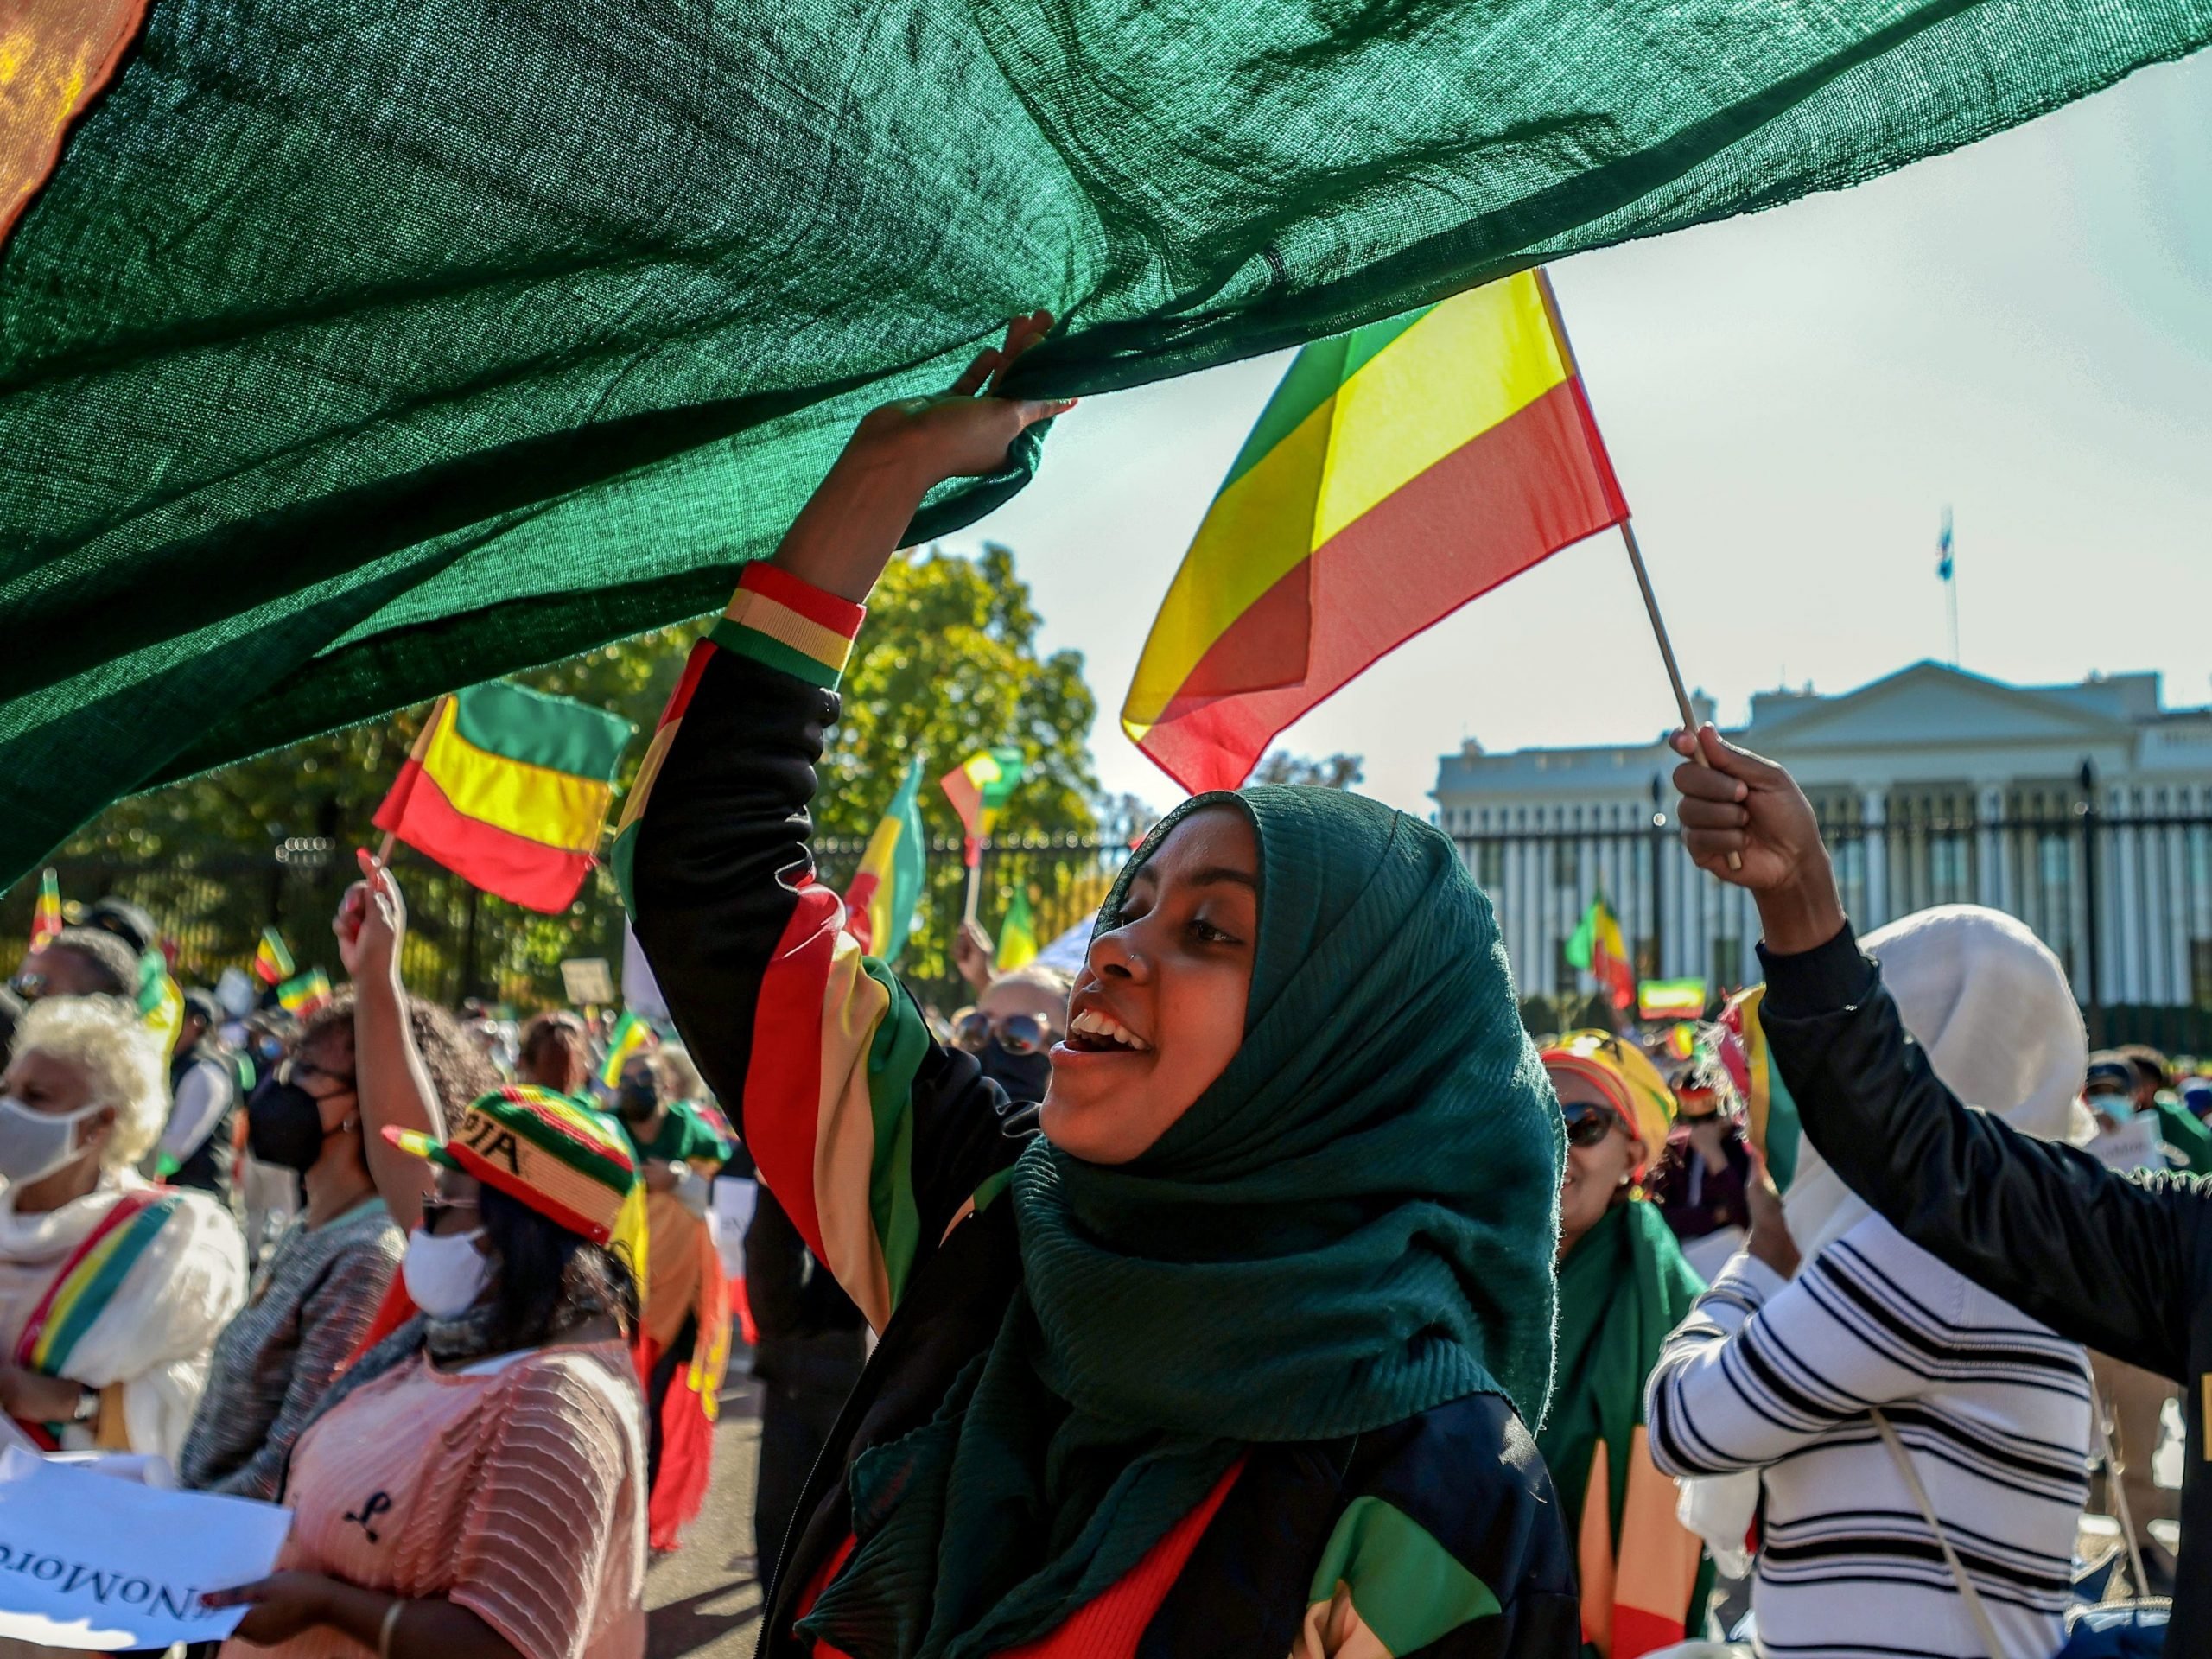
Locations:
(1461, 369)
(557, 809)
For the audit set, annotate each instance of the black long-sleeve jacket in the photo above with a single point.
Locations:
(888, 1152)
(2122, 1263)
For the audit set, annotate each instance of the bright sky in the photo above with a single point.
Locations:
(2022, 330)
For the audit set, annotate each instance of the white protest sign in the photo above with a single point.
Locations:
(2132, 1145)
(103, 1565)
(587, 983)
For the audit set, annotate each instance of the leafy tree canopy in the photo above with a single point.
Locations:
(1338, 772)
(947, 663)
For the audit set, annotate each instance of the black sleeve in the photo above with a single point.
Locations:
(775, 1270)
(2104, 1259)
(873, 1137)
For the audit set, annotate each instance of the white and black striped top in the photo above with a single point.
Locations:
(1777, 1376)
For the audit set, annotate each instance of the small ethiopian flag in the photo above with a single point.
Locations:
(1017, 935)
(978, 787)
(631, 1034)
(1398, 471)
(303, 995)
(272, 958)
(1670, 999)
(46, 920)
(880, 904)
(1598, 948)
(509, 789)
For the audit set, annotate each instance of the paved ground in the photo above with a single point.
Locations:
(705, 1600)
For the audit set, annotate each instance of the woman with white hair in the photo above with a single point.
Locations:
(111, 1290)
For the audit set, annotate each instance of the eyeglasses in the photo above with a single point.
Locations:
(1017, 1033)
(1588, 1125)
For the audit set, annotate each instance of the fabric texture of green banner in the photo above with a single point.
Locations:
(352, 354)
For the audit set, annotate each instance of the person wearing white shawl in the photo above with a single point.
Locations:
(111, 1290)
(1772, 1376)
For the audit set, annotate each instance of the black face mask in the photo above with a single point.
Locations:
(283, 1126)
(637, 1101)
(1022, 1076)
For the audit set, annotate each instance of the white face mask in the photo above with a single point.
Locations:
(32, 1145)
(445, 1272)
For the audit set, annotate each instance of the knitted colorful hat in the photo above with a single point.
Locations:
(1625, 1076)
(561, 1158)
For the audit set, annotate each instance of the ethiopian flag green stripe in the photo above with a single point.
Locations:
(516, 723)
(1315, 376)
(736, 638)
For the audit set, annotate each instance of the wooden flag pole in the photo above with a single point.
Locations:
(975, 877)
(1667, 654)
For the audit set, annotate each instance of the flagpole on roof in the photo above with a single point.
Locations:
(1636, 556)
(1948, 572)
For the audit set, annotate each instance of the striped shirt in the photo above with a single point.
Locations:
(1994, 1409)
(312, 1299)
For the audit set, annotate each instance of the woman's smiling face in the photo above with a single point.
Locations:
(1158, 1010)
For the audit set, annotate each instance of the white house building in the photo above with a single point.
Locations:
(1936, 785)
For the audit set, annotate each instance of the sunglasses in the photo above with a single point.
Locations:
(1017, 1033)
(1588, 1125)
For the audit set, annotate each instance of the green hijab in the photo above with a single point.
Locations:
(1354, 1223)
(1623, 1289)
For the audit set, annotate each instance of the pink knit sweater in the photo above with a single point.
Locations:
(518, 1493)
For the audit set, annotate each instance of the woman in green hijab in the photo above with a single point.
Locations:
(1622, 1288)
(1238, 1353)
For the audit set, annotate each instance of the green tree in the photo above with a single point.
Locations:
(1338, 772)
(947, 664)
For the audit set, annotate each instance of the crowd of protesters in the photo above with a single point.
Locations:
(1265, 1288)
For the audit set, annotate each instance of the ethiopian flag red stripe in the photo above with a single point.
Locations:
(509, 789)
(1398, 471)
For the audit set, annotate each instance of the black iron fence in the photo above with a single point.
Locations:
(2118, 883)
(212, 904)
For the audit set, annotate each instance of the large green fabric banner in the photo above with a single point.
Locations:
(355, 352)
